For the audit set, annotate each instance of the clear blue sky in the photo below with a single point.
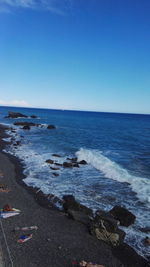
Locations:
(76, 54)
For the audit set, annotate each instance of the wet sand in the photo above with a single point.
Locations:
(59, 240)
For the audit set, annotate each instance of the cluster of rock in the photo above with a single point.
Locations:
(26, 125)
(48, 200)
(70, 163)
(73, 162)
(15, 115)
(103, 225)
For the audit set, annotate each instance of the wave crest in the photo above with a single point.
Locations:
(112, 170)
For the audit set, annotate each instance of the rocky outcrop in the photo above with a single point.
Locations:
(105, 228)
(58, 164)
(67, 164)
(15, 115)
(54, 169)
(109, 222)
(26, 127)
(50, 161)
(30, 124)
(83, 162)
(69, 203)
(17, 143)
(33, 116)
(76, 165)
(70, 165)
(73, 160)
(55, 174)
(25, 123)
(51, 127)
(56, 155)
(48, 201)
(125, 217)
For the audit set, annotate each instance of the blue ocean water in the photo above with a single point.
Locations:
(116, 147)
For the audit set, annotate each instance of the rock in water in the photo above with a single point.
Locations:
(82, 162)
(67, 164)
(51, 127)
(25, 123)
(33, 116)
(56, 155)
(26, 127)
(125, 217)
(50, 161)
(14, 115)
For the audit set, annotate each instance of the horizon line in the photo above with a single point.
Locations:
(77, 110)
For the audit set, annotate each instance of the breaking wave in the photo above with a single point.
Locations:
(112, 170)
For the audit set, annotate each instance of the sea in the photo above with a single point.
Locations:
(116, 147)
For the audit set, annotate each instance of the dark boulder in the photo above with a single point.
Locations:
(125, 217)
(18, 143)
(67, 164)
(22, 123)
(54, 169)
(51, 127)
(47, 201)
(15, 144)
(73, 160)
(109, 222)
(70, 164)
(26, 127)
(69, 203)
(50, 161)
(15, 115)
(56, 155)
(76, 165)
(121, 234)
(58, 164)
(82, 162)
(33, 116)
(105, 228)
(55, 174)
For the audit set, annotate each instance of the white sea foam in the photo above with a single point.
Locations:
(112, 170)
(135, 238)
(7, 139)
